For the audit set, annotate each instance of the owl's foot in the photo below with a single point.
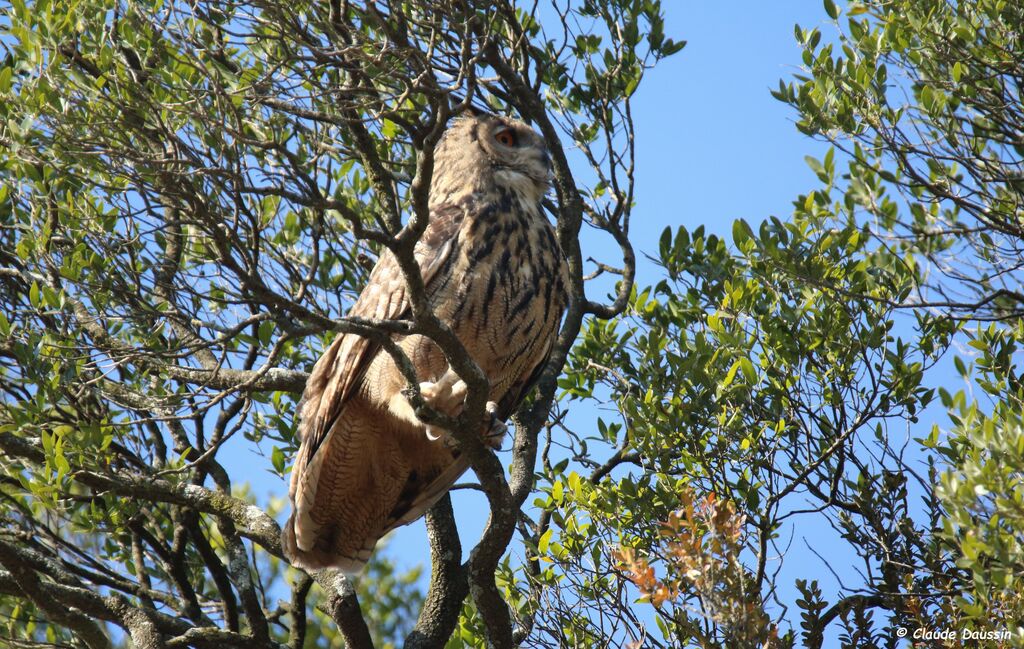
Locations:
(496, 429)
(448, 395)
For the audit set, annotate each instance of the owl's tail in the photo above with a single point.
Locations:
(322, 555)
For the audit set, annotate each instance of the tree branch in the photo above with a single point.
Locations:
(448, 584)
(342, 606)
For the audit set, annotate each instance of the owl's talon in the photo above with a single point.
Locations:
(493, 435)
(496, 430)
(434, 436)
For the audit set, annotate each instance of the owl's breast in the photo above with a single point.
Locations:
(509, 279)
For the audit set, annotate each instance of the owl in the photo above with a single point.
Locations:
(495, 274)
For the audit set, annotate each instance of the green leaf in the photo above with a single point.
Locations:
(748, 370)
(545, 541)
(631, 86)
(574, 484)
(831, 9)
(741, 232)
(63, 467)
(670, 47)
(960, 367)
(927, 97)
(277, 459)
(730, 375)
(266, 332)
(63, 430)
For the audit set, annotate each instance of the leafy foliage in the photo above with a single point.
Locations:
(701, 546)
(983, 491)
(924, 97)
(193, 192)
(191, 195)
(782, 372)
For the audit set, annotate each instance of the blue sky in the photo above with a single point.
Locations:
(712, 146)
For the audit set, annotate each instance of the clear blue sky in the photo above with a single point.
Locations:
(712, 146)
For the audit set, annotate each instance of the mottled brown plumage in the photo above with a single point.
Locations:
(494, 272)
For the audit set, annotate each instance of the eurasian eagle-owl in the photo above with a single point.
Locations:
(495, 274)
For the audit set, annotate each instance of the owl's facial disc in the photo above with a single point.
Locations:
(519, 157)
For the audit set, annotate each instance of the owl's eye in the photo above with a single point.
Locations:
(507, 137)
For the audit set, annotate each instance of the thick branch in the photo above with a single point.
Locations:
(343, 607)
(448, 585)
(26, 583)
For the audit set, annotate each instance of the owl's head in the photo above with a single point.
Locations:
(490, 152)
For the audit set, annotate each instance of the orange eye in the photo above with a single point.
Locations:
(506, 137)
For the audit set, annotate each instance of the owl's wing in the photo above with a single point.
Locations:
(342, 366)
(419, 494)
